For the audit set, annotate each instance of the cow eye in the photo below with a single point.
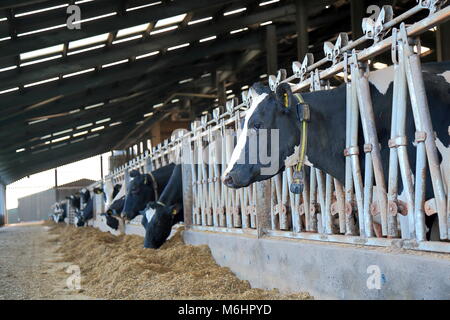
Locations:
(257, 126)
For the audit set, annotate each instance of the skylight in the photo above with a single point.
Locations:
(265, 3)
(208, 39)
(40, 82)
(178, 47)
(132, 30)
(40, 60)
(199, 20)
(41, 52)
(40, 10)
(86, 49)
(9, 90)
(170, 20)
(138, 36)
(228, 13)
(163, 30)
(145, 6)
(78, 73)
(88, 41)
(147, 55)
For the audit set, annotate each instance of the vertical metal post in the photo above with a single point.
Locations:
(353, 152)
(301, 19)
(349, 216)
(3, 212)
(126, 180)
(101, 168)
(186, 173)
(271, 49)
(424, 133)
(263, 207)
(398, 138)
(371, 137)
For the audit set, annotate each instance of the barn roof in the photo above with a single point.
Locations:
(67, 94)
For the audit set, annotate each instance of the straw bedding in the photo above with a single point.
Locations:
(117, 267)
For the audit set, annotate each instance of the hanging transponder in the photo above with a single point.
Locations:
(297, 184)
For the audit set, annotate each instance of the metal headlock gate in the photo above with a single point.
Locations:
(326, 209)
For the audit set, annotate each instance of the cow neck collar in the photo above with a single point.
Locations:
(303, 116)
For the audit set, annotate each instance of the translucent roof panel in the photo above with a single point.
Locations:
(170, 20)
(41, 52)
(88, 41)
(132, 30)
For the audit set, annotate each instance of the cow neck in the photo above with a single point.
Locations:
(162, 176)
(326, 130)
(173, 192)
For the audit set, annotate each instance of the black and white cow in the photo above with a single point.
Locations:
(59, 212)
(141, 189)
(167, 211)
(87, 212)
(326, 130)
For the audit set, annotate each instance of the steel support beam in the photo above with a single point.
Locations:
(301, 19)
(271, 49)
(357, 14)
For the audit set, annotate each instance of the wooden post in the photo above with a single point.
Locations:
(301, 19)
(271, 49)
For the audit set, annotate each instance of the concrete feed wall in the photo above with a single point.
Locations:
(329, 271)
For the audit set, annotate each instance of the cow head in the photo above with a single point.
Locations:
(160, 223)
(74, 201)
(267, 112)
(140, 192)
(85, 195)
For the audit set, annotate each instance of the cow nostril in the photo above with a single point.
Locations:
(228, 180)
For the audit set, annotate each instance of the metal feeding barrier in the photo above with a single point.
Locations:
(326, 210)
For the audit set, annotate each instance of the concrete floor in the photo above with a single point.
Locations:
(28, 264)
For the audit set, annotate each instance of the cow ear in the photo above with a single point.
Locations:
(173, 209)
(134, 173)
(284, 95)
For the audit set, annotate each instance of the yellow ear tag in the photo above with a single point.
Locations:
(286, 100)
(174, 211)
(145, 180)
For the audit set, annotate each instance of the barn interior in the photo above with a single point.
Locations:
(80, 78)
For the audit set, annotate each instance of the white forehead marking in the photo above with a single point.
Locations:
(446, 75)
(119, 195)
(256, 100)
(149, 214)
(382, 78)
